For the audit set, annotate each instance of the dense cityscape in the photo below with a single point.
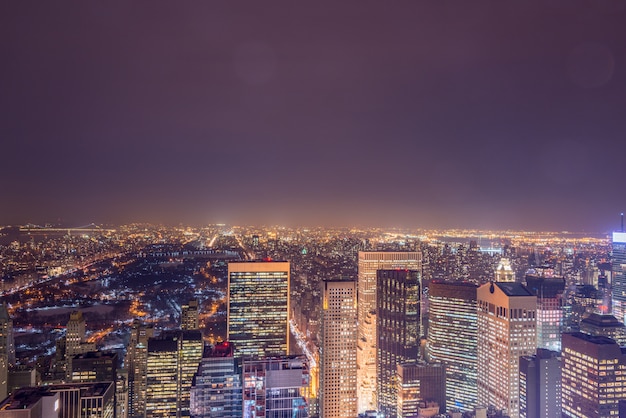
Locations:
(226, 321)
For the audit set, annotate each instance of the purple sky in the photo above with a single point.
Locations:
(416, 113)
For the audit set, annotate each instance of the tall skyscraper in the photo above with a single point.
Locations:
(216, 389)
(7, 349)
(190, 349)
(162, 378)
(397, 329)
(592, 380)
(549, 292)
(189, 316)
(258, 308)
(338, 333)
(368, 264)
(618, 267)
(75, 336)
(540, 385)
(452, 339)
(507, 330)
(275, 387)
(136, 362)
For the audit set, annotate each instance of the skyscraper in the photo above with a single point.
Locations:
(7, 348)
(338, 396)
(368, 264)
(190, 349)
(504, 271)
(592, 380)
(258, 308)
(136, 362)
(540, 385)
(507, 330)
(452, 339)
(420, 385)
(162, 378)
(397, 329)
(618, 267)
(549, 292)
(189, 316)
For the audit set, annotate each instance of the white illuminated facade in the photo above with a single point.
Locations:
(504, 271)
(619, 276)
(506, 331)
(369, 262)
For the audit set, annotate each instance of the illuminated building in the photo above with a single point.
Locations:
(338, 349)
(258, 308)
(162, 378)
(31, 402)
(7, 342)
(420, 385)
(540, 385)
(592, 380)
(605, 325)
(78, 400)
(136, 362)
(275, 387)
(397, 329)
(452, 339)
(216, 388)
(504, 272)
(94, 366)
(189, 316)
(75, 336)
(506, 331)
(618, 268)
(190, 349)
(368, 263)
(549, 292)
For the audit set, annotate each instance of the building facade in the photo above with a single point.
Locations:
(338, 397)
(506, 331)
(549, 292)
(618, 267)
(368, 263)
(420, 386)
(258, 308)
(540, 385)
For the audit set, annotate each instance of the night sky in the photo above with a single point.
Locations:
(417, 113)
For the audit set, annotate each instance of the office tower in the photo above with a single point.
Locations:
(31, 402)
(338, 349)
(618, 268)
(190, 349)
(189, 317)
(75, 336)
(94, 366)
(78, 400)
(549, 292)
(506, 331)
(368, 264)
(540, 385)
(275, 387)
(162, 377)
(121, 394)
(605, 325)
(216, 388)
(136, 362)
(592, 380)
(452, 339)
(420, 385)
(258, 308)
(7, 343)
(504, 271)
(397, 329)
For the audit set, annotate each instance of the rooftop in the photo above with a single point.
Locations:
(513, 289)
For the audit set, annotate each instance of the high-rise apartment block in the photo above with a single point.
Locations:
(398, 330)
(368, 263)
(338, 397)
(593, 376)
(549, 292)
(276, 387)
(618, 267)
(452, 339)
(216, 390)
(258, 308)
(506, 331)
(540, 385)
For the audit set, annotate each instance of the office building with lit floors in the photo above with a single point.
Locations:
(368, 263)
(276, 387)
(618, 276)
(258, 308)
(540, 385)
(397, 330)
(81, 400)
(549, 292)
(162, 378)
(338, 332)
(593, 378)
(421, 389)
(452, 339)
(136, 362)
(506, 331)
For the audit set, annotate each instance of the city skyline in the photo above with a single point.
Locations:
(481, 115)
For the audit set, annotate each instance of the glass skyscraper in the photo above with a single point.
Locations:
(619, 276)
